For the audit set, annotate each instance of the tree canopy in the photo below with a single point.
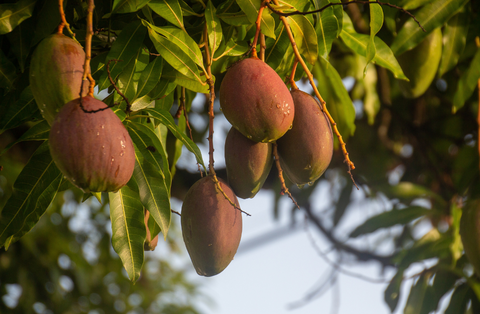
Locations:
(398, 80)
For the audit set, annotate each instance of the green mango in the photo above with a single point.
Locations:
(420, 65)
(56, 72)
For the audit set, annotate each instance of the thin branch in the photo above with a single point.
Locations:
(385, 260)
(88, 50)
(115, 86)
(257, 32)
(345, 3)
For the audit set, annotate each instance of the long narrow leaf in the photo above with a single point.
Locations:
(431, 16)
(153, 191)
(251, 7)
(454, 41)
(38, 132)
(12, 14)
(214, 28)
(175, 56)
(467, 83)
(39, 175)
(169, 10)
(128, 230)
(305, 37)
(166, 118)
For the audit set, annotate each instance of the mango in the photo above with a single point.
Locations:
(93, 150)
(211, 226)
(255, 101)
(56, 72)
(247, 162)
(306, 150)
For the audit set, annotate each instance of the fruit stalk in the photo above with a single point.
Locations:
(64, 22)
(349, 163)
(88, 48)
(257, 32)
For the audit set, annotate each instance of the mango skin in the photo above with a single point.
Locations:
(248, 163)
(211, 226)
(56, 72)
(255, 101)
(306, 150)
(470, 232)
(93, 150)
(420, 65)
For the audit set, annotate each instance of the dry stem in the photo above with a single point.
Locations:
(88, 50)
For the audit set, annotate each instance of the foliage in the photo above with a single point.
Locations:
(418, 155)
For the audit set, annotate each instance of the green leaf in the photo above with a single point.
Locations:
(128, 230)
(38, 132)
(47, 21)
(371, 102)
(187, 82)
(392, 293)
(459, 300)
(443, 282)
(390, 219)
(163, 88)
(141, 103)
(149, 77)
(467, 83)
(431, 16)
(376, 22)
(125, 47)
(412, 4)
(338, 101)
(12, 14)
(7, 71)
(417, 295)
(251, 8)
(21, 111)
(454, 41)
(128, 80)
(214, 29)
(152, 149)
(410, 191)
(343, 202)
(232, 48)
(384, 57)
(34, 189)
(127, 6)
(305, 37)
(152, 188)
(276, 48)
(175, 56)
(20, 39)
(181, 39)
(169, 10)
(166, 118)
(326, 30)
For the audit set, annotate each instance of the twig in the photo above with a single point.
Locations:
(350, 164)
(128, 110)
(257, 32)
(219, 187)
(64, 22)
(175, 212)
(263, 47)
(385, 260)
(88, 50)
(344, 3)
(280, 176)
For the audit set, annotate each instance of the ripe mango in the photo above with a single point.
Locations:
(211, 226)
(255, 101)
(56, 72)
(248, 163)
(420, 65)
(93, 150)
(306, 150)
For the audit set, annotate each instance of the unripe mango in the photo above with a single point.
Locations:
(56, 72)
(248, 163)
(306, 150)
(255, 101)
(93, 150)
(211, 226)
(420, 65)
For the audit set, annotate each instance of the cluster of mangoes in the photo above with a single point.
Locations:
(88, 142)
(262, 110)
